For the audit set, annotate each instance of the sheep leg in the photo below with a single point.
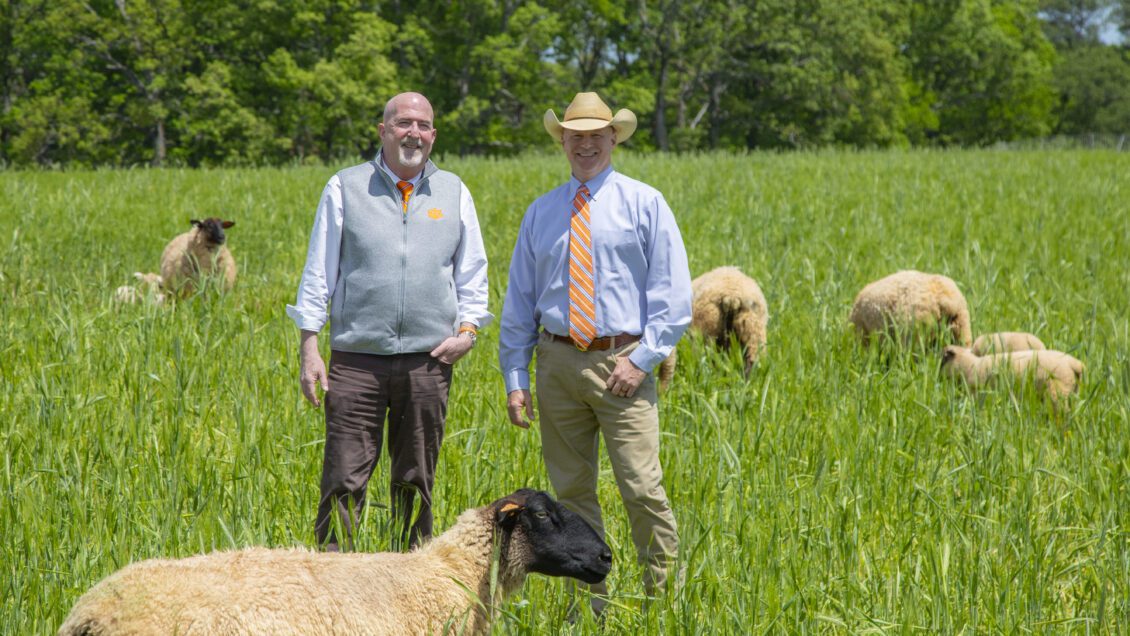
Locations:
(752, 336)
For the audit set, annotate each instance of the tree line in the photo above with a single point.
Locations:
(245, 82)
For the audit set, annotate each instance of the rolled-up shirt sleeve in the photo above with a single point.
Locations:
(319, 277)
(667, 289)
(470, 267)
(518, 327)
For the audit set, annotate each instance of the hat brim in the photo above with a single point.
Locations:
(623, 122)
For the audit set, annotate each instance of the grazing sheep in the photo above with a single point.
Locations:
(1006, 341)
(725, 301)
(1053, 372)
(443, 585)
(149, 286)
(910, 304)
(198, 252)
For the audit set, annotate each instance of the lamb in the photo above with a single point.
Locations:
(196, 253)
(1006, 341)
(725, 301)
(149, 286)
(446, 584)
(912, 305)
(1053, 372)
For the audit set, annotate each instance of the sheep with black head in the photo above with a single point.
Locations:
(198, 253)
(444, 585)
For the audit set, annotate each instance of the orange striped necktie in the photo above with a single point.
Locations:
(582, 304)
(405, 192)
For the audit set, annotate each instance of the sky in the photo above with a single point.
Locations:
(1110, 35)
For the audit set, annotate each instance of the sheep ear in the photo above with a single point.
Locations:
(195, 222)
(228, 224)
(507, 514)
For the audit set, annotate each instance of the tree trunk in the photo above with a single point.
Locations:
(661, 107)
(159, 145)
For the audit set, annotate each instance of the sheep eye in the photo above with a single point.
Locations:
(541, 514)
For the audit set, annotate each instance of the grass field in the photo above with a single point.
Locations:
(832, 492)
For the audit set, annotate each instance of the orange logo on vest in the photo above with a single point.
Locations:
(435, 213)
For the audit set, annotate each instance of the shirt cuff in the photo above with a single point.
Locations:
(480, 320)
(304, 322)
(517, 379)
(645, 358)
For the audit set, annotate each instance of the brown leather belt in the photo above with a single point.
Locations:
(601, 344)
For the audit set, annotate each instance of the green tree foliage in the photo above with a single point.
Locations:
(214, 82)
(1094, 82)
(987, 66)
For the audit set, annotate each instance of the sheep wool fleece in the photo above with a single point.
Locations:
(396, 291)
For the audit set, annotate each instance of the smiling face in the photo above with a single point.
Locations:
(407, 134)
(589, 151)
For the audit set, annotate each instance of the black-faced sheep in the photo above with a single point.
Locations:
(445, 585)
(148, 287)
(910, 304)
(1053, 372)
(726, 301)
(1006, 341)
(196, 253)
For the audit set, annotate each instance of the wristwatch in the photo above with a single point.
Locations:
(474, 336)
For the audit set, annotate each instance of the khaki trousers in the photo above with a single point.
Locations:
(575, 410)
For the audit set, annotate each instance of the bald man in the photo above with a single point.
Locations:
(397, 266)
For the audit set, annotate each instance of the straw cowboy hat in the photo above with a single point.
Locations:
(589, 112)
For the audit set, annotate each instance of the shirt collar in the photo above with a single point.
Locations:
(392, 175)
(594, 184)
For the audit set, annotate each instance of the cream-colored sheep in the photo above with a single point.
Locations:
(1006, 341)
(910, 304)
(148, 286)
(443, 586)
(726, 301)
(1053, 372)
(196, 253)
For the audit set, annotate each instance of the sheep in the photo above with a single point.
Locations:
(444, 584)
(149, 286)
(198, 252)
(1006, 341)
(910, 304)
(725, 301)
(1053, 372)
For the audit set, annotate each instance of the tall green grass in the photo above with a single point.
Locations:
(832, 492)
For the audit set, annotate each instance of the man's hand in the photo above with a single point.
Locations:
(313, 368)
(516, 402)
(625, 378)
(452, 348)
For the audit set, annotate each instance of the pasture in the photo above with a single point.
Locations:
(832, 492)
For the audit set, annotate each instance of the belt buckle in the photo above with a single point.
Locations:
(579, 346)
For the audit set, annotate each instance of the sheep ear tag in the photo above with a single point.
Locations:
(508, 512)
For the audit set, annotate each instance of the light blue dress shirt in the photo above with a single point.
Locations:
(643, 284)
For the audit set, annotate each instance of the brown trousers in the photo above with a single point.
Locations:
(412, 390)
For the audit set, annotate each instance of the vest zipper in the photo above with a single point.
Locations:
(404, 266)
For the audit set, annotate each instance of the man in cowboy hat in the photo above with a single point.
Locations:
(599, 286)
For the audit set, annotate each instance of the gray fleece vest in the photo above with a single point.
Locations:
(395, 291)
